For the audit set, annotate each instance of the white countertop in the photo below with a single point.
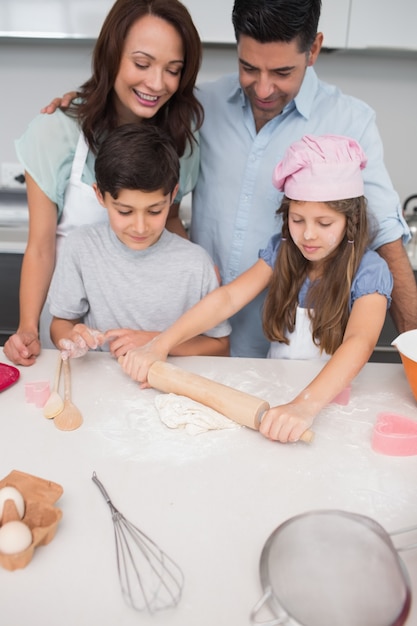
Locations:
(210, 501)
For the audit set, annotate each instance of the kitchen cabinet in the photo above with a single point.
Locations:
(345, 23)
(363, 24)
(53, 19)
(383, 24)
(82, 19)
(334, 21)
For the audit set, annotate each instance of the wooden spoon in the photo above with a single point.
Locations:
(54, 403)
(70, 417)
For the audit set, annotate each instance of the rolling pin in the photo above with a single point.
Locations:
(238, 406)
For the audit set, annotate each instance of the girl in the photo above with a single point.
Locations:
(145, 64)
(327, 295)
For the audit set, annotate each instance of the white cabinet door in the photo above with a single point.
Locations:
(213, 19)
(383, 24)
(333, 23)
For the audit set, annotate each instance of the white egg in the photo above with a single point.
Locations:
(11, 493)
(14, 537)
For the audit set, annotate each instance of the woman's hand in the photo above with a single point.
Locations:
(287, 422)
(136, 363)
(81, 340)
(121, 340)
(22, 348)
(60, 103)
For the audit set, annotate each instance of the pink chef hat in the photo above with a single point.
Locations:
(321, 168)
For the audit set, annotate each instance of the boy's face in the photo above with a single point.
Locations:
(137, 217)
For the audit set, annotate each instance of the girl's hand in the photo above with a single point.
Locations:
(287, 422)
(121, 340)
(80, 341)
(22, 348)
(136, 363)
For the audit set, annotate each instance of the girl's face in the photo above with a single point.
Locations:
(150, 69)
(315, 228)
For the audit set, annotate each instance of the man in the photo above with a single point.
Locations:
(250, 120)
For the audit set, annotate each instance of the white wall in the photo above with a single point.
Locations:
(32, 72)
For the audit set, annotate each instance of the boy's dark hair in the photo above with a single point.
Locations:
(268, 21)
(137, 156)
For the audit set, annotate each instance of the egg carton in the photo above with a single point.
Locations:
(40, 515)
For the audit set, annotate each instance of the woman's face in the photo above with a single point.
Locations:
(150, 69)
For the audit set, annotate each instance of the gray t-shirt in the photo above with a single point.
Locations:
(100, 280)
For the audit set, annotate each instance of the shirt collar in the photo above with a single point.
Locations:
(236, 91)
(303, 101)
(305, 97)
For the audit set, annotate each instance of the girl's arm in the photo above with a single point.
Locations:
(37, 268)
(287, 422)
(121, 340)
(215, 307)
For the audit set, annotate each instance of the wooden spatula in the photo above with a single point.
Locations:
(54, 403)
(70, 417)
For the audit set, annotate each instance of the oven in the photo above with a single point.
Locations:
(13, 238)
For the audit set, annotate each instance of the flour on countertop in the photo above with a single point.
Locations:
(131, 429)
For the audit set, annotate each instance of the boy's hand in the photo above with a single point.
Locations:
(81, 339)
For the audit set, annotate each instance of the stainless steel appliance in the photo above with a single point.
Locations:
(410, 212)
(13, 238)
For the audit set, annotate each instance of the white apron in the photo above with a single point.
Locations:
(301, 342)
(80, 207)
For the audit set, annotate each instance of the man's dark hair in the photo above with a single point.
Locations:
(137, 156)
(269, 21)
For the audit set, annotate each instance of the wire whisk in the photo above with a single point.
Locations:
(149, 578)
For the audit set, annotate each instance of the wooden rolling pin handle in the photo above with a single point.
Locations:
(238, 406)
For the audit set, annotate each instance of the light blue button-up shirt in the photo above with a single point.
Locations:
(234, 201)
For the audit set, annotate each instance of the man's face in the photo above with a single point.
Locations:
(271, 74)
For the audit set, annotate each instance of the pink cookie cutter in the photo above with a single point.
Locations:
(394, 435)
(37, 392)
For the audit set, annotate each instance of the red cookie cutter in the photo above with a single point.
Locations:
(8, 375)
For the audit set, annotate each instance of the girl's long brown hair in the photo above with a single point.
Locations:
(180, 114)
(328, 298)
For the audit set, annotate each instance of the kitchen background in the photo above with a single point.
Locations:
(45, 50)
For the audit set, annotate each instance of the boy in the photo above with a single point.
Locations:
(120, 283)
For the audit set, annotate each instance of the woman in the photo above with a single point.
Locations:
(145, 65)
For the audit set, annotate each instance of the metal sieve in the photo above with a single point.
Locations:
(333, 568)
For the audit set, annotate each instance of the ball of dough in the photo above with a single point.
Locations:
(14, 537)
(11, 493)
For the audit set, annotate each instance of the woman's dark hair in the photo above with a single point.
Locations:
(182, 112)
(137, 156)
(268, 21)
